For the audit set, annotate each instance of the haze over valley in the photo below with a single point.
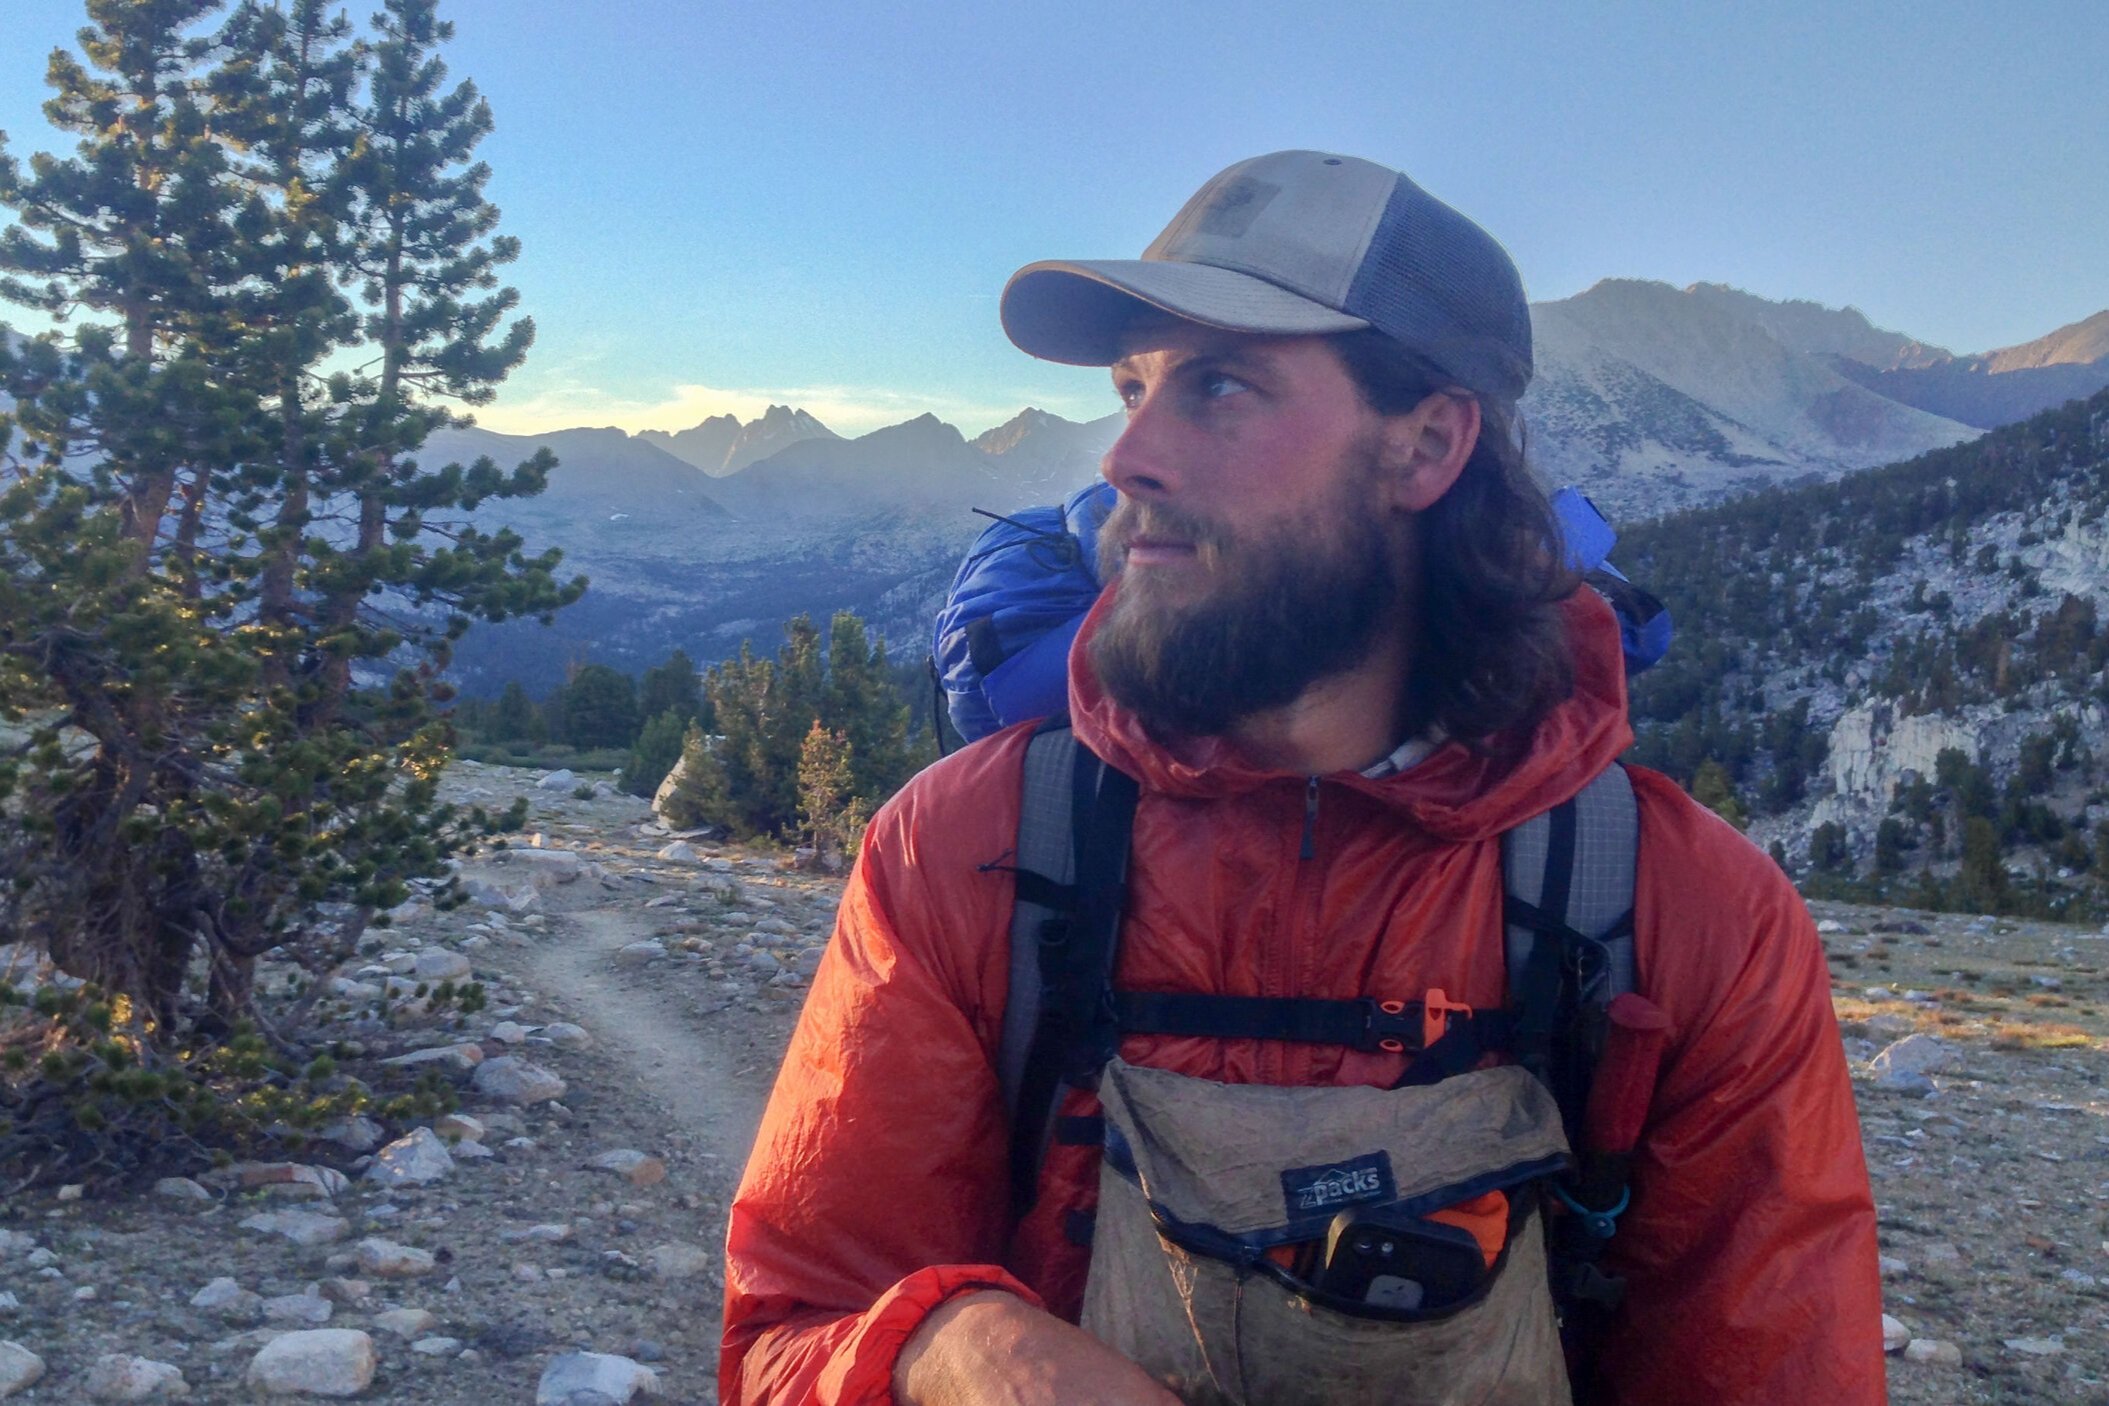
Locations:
(1650, 398)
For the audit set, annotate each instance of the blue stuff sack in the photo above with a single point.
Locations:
(1644, 628)
(1001, 648)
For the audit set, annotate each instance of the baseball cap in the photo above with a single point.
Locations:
(1297, 243)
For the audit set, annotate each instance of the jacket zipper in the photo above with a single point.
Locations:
(1309, 849)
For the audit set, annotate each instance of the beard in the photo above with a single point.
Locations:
(1275, 613)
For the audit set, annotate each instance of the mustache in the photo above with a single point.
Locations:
(1132, 520)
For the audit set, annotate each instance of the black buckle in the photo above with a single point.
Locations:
(1393, 1027)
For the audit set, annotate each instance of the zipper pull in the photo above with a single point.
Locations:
(1310, 819)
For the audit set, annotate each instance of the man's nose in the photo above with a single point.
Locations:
(1144, 461)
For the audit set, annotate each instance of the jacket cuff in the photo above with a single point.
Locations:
(868, 1358)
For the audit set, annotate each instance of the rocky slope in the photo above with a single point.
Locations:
(1836, 640)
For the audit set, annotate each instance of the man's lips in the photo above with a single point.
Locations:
(1159, 551)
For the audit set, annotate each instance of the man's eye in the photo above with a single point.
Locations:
(1130, 393)
(1217, 384)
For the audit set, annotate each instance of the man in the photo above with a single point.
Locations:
(1341, 663)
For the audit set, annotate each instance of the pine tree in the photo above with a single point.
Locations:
(702, 795)
(860, 704)
(1712, 789)
(673, 687)
(233, 744)
(514, 718)
(658, 748)
(600, 708)
(829, 809)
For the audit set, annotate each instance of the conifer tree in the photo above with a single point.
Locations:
(673, 687)
(513, 717)
(701, 795)
(658, 748)
(600, 708)
(832, 814)
(226, 586)
(861, 706)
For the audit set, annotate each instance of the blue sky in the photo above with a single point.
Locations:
(728, 204)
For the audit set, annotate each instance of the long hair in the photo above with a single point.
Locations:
(1491, 654)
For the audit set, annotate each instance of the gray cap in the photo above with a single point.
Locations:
(1294, 243)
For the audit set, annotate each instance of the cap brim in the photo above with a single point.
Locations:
(1077, 311)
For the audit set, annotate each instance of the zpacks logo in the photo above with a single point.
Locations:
(1349, 1183)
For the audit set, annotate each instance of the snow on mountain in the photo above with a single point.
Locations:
(721, 445)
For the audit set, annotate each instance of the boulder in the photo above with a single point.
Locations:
(299, 1310)
(405, 1322)
(119, 1376)
(548, 866)
(322, 1181)
(357, 1133)
(677, 1260)
(1933, 1351)
(459, 1127)
(301, 1227)
(510, 1079)
(637, 1168)
(454, 1059)
(1894, 1334)
(19, 1368)
(438, 964)
(566, 1036)
(384, 1259)
(412, 1160)
(562, 779)
(182, 1189)
(1908, 1061)
(318, 1362)
(679, 852)
(599, 1373)
(226, 1299)
(667, 788)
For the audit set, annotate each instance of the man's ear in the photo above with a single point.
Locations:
(1426, 448)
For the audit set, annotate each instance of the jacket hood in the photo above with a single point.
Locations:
(1453, 794)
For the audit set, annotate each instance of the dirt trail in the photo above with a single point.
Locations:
(710, 1077)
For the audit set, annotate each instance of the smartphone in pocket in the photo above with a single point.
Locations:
(1388, 1259)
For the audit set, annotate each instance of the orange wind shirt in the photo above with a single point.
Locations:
(879, 1188)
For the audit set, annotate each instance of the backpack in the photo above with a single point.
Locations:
(1000, 650)
(1573, 1019)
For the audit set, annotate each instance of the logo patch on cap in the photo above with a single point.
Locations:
(1336, 1184)
(1236, 206)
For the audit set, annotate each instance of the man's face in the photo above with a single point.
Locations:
(1254, 546)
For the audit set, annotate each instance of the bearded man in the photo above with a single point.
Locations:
(1340, 658)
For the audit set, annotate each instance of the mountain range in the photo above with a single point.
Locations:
(1649, 397)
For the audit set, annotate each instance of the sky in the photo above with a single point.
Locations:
(812, 202)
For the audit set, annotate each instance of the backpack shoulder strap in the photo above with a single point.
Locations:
(1568, 877)
(1075, 819)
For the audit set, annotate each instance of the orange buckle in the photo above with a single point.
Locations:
(1436, 1009)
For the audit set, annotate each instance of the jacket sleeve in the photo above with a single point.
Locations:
(876, 1190)
(1750, 1248)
